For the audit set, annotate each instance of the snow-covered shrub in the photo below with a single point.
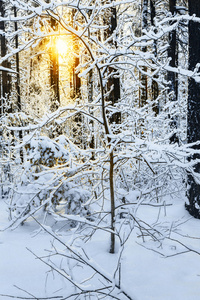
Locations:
(153, 170)
(46, 182)
(9, 155)
(31, 196)
(43, 151)
(76, 197)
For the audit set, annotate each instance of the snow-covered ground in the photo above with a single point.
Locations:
(145, 274)
(18, 266)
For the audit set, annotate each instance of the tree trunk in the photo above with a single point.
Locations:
(90, 89)
(172, 77)
(90, 100)
(193, 132)
(5, 88)
(173, 55)
(113, 87)
(17, 64)
(113, 81)
(112, 202)
(76, 89)
(143, 76)
(19, 105)
(154, 85)
(54, 70)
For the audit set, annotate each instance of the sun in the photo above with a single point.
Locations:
(61, 46)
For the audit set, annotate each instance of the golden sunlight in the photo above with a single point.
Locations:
(61, 46)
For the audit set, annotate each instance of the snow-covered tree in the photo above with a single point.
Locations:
(193, 113)
(5, 79)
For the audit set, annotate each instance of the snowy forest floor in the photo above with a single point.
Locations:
(146, 274)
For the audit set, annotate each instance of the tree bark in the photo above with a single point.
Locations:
(5, 88)
(54, 71)
(173, 77)
(112, 202)
(19, 104)
(154, 85)
(173, 55)
(17, 64)
(113, 81)
(76, 88)
(193, 132)
(113, 85)
(143, 76)
(54, 68)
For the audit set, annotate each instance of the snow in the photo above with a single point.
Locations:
(6, 70)
(158, 278)
(145, 275)
(18, 267)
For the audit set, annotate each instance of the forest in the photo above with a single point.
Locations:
(100, 149)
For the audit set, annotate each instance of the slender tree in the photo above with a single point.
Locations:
(193, 132)
(114, 81)
(143, 76)
(19, 104)
(154, 85)
(113, 87)
(75, 82)
(17, 64)
(173, 54)
(172, 76)
(54, 69)
(76, 85)
(5, 83)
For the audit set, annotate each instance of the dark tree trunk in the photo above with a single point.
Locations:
(54, 68)
(76, 88)
(76, 83)
(154, 85)
(143, 76)
(5, 83)
(90, 100)
(75, 79)
(54, 71)
(172, 77)
(19, 105)
(113, 87)
(17, 65)
(90, 87)
(113, 81)
(76, 93)
(173, 55)
(193, 132)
